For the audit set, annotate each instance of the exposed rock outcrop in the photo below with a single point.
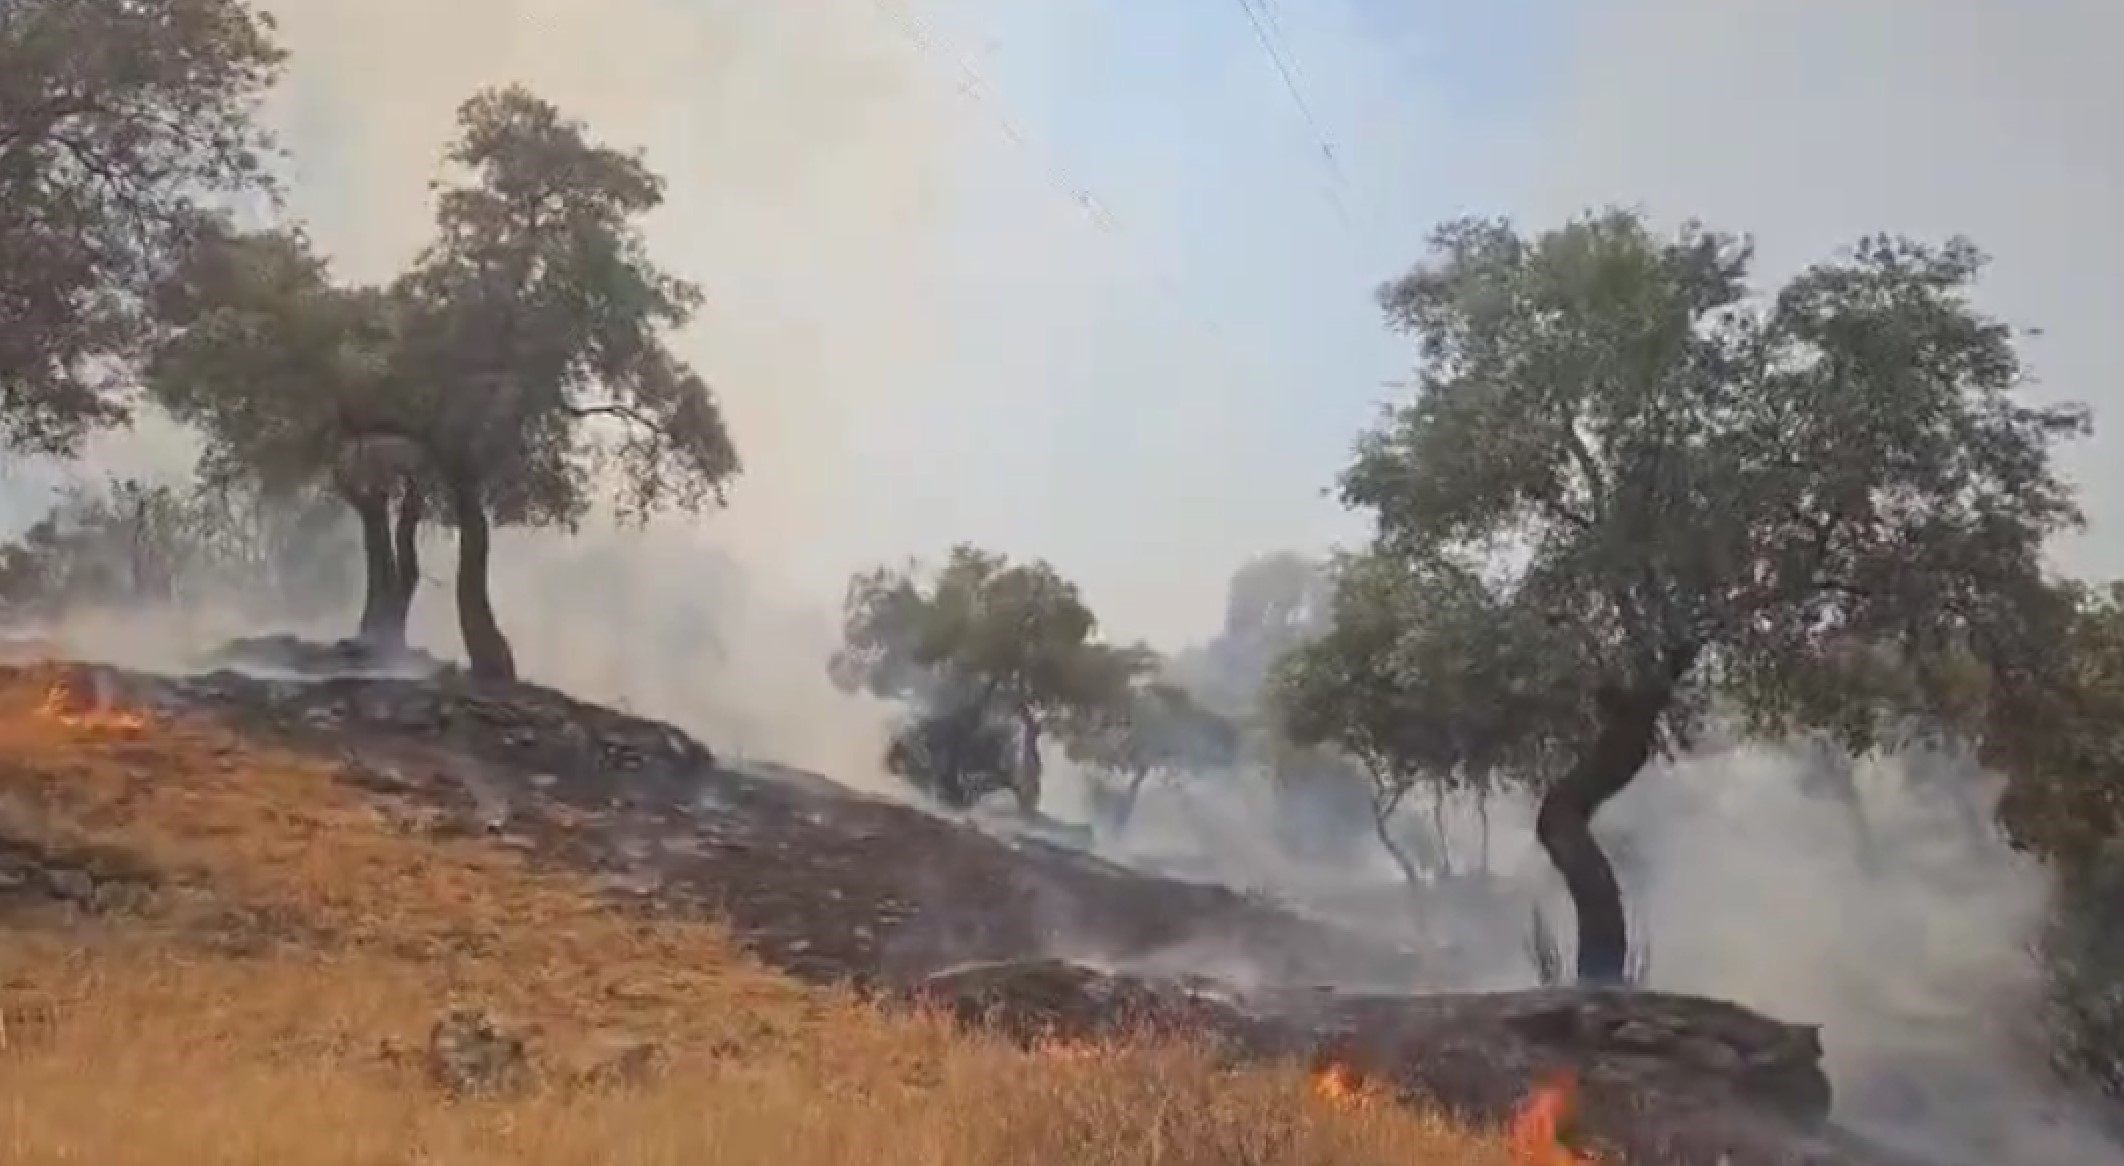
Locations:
(1667, 1080)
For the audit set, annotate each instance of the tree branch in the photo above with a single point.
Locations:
(624, 412)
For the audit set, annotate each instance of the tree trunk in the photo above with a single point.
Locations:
(1438, 827)
(956, 737)
(405, 560)
(1409, 872)
(1834, 774)
(1126, 809)
(1412, 870)
(485, 646)
(960, 729)
(1482, 816)
(1626, 734)
(390, 549)
(380, 575)
(1026, 774)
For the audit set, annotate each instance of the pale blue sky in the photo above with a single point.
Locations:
(920, 338)
(1808, 123)
(1248, 255)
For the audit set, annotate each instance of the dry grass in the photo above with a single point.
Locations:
(144, 1042)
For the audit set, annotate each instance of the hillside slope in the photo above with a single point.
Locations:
(217, 946)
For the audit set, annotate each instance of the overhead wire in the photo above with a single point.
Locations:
(975, 88)
(1268, 31)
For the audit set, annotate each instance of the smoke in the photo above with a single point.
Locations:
(815, 162)
(1904, 931)
(919, 338)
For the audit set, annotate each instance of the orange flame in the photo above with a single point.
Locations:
(1061, 1049)
(1536, 1133)
(76, 710)
(1341, 1086)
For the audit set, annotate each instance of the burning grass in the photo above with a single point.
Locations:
(153, 1039)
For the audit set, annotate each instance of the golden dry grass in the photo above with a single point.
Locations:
(141, 1042)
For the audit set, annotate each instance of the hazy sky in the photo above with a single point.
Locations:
(922, 335)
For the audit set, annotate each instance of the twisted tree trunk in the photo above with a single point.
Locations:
(390, 547)
(405, 556)
(1026, 774)
(1623, 742)
(380, 572)
(485, 646)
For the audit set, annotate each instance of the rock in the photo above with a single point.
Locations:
(1651, 1092)
(33, 873)
(74, 886)
(471, 1054)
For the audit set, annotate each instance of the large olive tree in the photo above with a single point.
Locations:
(121, 121)
(1630, 488)
(263, 354)
(533, 367)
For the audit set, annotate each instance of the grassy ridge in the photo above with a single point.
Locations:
(255, 1007)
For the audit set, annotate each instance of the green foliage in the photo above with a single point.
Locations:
(262, 355)
(266, 358)
(119, 120)
(984, 628)
(535, 359)
(1153, 728)
(1618, 459)
(133, 544)
(1425, 675)
(2058, 738)
(2081, 950)
(957, 756)
(1273, 604)
(983, 639)
(1629, 488)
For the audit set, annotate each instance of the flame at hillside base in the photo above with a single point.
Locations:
(1536, 1132)
(1537, 1129)
(1062, 1049)
(66, 704)
(1340, 1085)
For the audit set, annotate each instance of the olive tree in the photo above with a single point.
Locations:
(1627, 485)
(532, 368)
(264, 355)
(2059, 737)
(1273, 603)
(120, 121)
(990, 655)
(1422, 678)
(1153, 729)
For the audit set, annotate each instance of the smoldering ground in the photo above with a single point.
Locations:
(815, 160)
(1903, 925)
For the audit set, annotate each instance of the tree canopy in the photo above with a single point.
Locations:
(2062, 743)
(1273, 603)
(264, 356)
(532, 366)
(1628, 484)
(985, 637)
(1152, 727)
(120, 125)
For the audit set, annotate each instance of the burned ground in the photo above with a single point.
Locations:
(831, 886)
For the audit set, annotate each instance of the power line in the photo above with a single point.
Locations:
(1268, 30)
(975, 88)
